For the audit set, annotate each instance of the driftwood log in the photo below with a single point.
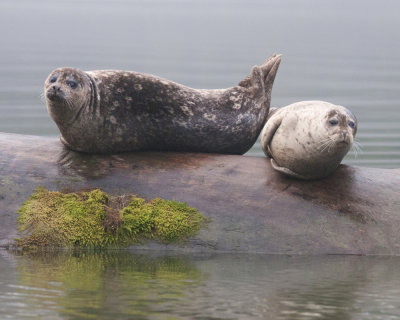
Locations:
(252, 208)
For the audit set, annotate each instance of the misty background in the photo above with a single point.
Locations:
(344, 52)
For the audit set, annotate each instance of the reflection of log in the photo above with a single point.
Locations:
(252, 208)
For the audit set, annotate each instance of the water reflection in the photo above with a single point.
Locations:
(122, 285)
(80, 285)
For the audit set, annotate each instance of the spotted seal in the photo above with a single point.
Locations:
(308, 139)
(110, 111)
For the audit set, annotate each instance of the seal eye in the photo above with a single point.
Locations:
(352, 124)
(333, 122)
(53, 79)
(72, 84)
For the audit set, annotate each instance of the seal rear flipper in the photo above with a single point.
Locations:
(263, 76)
(269, 70)
(287, 171)
(272, 111)
(268, 132)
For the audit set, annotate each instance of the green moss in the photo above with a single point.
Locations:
(94, 219)
(160, 219)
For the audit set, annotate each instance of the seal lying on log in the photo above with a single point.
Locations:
(251, 207)
(109, 111)
(308, 139)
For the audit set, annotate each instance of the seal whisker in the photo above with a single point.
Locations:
(332, 145)
(326, 144)
(325, 147)
(42, 96)
(356, 148)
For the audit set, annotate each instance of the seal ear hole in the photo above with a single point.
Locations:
(352, 124)
(333, 122)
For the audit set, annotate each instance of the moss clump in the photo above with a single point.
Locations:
(160, 219)
(94, 219)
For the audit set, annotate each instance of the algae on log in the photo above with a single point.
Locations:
(92, 219)
(251, 207)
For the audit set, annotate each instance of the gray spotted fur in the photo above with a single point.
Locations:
(130, 111)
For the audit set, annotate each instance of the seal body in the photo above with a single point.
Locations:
(109, 111)
(308, 139)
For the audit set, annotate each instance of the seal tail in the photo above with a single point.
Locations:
(269, 70)
(262, 77)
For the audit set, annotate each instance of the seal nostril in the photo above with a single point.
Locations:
(344, 134)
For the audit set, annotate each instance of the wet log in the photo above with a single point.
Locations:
(251, 207)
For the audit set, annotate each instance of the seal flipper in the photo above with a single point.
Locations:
(262, 77)
(269, 70)
(287, 171)
(272, 111)
(268, 132)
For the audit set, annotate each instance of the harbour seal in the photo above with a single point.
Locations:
(110, 111)
(308, 139)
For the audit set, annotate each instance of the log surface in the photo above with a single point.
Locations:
(252, 208)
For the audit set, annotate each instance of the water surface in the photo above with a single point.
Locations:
(344, 52)
(151, 285)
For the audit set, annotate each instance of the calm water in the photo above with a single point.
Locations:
(345, 52)
(121, 285)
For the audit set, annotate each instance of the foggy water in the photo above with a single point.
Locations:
(344, 52)
(121, 285)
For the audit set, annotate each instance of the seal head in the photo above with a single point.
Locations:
(308, 139)
(67, 91)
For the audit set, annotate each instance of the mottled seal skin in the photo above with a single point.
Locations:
(308, 139)
(109, 111)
